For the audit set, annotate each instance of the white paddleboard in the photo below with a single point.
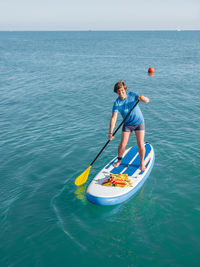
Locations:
(110, 195)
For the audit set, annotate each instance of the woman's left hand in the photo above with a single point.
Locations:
(144, 99)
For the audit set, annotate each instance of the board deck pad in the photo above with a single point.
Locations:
(126, 160)
(131, 168)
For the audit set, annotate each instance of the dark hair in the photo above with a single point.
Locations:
(119, 85)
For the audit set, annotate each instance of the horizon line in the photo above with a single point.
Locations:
(93, 30)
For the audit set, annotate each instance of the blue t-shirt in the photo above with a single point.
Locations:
(124, 106)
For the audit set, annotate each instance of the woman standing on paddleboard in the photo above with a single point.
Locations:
(134, 122)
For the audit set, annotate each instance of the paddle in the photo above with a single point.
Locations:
(81, 179)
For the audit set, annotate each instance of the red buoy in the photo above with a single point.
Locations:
(151, 70)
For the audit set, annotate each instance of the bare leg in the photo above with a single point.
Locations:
(141, 147)
(122, 146)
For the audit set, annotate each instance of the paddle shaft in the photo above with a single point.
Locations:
(114, 133)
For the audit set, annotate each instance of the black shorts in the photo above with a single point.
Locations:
(130, 128)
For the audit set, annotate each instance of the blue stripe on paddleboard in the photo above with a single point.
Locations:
(125, 161)
(136, 163)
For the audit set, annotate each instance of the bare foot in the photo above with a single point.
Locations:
(117, 163)
(142, 167)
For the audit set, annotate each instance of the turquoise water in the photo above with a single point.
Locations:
(55, 105)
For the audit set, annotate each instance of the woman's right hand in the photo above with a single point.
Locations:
(110, 136)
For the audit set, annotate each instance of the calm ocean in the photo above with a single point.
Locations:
(55, 105)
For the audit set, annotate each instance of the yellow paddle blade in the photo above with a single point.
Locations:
(81, 179)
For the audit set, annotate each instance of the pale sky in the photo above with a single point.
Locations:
(99, 14)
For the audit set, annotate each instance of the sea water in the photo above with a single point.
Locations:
(55, 106)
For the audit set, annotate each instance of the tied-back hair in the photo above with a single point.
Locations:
(119, 85)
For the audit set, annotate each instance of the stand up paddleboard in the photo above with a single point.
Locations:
(130, 164)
